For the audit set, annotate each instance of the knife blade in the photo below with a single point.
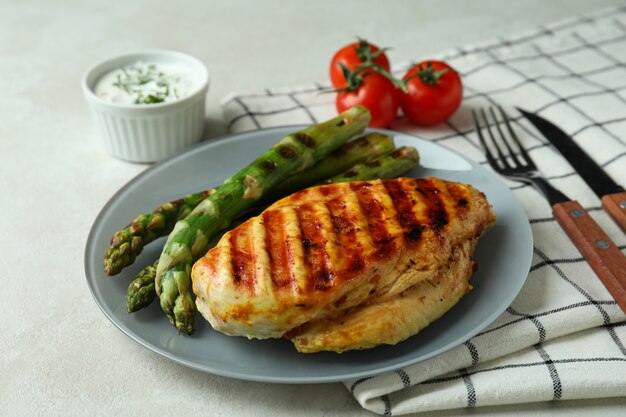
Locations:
(612, 195)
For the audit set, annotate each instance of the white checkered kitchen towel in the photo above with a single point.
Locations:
(563, 337)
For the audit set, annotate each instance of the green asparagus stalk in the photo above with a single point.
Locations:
(391, 165)
(359, 150)
(141, 291)
(128, 242)
(190, 236)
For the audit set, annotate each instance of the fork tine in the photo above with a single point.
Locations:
(525, 156)
(501, 156)
(527, 173)
(490, 157)
(507, 143)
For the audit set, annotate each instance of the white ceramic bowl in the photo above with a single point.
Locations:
(148, 132)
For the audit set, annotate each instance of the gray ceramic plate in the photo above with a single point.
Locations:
(504, 256)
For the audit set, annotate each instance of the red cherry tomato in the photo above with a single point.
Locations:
(377, 94)
(351, 56)
(434, 93)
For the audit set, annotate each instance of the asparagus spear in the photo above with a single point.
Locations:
(359, 150)
(191, 235)
(390, 165)
(128, 242)
(141, 290)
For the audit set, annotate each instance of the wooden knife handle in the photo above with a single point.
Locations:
(615, 205)
(606, 259)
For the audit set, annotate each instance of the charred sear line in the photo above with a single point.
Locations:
(323, 280)
(286, 152)
(279, 257)
(397, 153)
(361, 186)
(234, 260)
(351, 173)
(308, 244)
(266, 218)
(414, 234)
(345, 224)
(436, 212)
(241, 261)
(356, 264)
(268, 165)
(373, 164)
(306, 140)
(403, 204)
(374, 213)
(325, 191)
(237, 273)
(342, 225)
(382, 241)
(439, 218)
(460, 196)
(300, 195)
(316, 258)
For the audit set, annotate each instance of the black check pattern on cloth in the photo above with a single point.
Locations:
(563, 337)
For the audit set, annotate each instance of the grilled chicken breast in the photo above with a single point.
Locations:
(345, 266)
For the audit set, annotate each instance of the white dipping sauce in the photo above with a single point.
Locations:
(147, 83)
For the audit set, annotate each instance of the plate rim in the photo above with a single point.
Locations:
(91, 280)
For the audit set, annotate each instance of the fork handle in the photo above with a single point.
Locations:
(606, 259)
(615, 205)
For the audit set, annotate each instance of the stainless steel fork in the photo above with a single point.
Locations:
(507, 156)
(506, 161)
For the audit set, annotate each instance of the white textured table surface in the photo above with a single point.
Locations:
(59, 355)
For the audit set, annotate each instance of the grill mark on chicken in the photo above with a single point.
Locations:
(314, 243)
(275, 237)
(403, 203)
(436, 212)
(325, 191)
(300, 195)
(375, 213)
(460, 197)
(242, 258)
(354, 209)
(345, 221)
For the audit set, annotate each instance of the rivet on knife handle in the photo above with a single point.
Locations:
(615, 205)
(606, 259)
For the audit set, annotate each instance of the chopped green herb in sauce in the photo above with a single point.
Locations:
(142, 83)
(135, 78)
